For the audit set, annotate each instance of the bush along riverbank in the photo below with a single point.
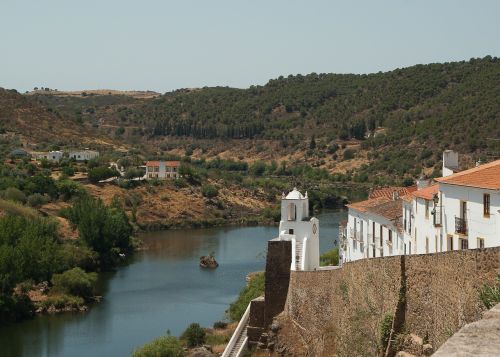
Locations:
(41, 272)
(198, 341)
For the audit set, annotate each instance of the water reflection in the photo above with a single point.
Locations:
(162, 288)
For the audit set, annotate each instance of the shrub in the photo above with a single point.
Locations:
(166, 346)
(134, 172)
(385, 330)
(61, 301)
(254, 289)
(194, 335)
(490, 295)
(75, 282)
(101, 173)
(216, 339)
(69, 189)
(37, 200)
(330, 257)
(68, 170)
(349, 154)
(220, 324)
(180, 183)
(209, 191)
(14, 194)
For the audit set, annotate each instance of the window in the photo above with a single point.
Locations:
(290, 231)
(486, 205)
(291, 212)
(426, 244)
(426, 209)
(464, 244)
(480, 243)
(416, 205)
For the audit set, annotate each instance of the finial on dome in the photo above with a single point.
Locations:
(306, 195)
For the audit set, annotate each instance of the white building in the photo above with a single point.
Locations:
(460, 211)
(162, 169)
(301, 230)
(470, 207)
(83, 155)
(51, 155)
(374, 226)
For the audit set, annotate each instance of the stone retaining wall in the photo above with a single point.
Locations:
(338, 312)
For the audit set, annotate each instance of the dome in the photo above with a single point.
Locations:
(294, 195)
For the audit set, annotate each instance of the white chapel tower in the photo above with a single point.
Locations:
(301, 230)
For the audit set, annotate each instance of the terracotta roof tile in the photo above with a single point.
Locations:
(388, 191)
(167, 163)
(363, 206)
(427, 192)
(484, 176)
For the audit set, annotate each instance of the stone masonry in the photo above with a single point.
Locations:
(339, 312)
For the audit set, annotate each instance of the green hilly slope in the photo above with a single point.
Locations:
(398, 122)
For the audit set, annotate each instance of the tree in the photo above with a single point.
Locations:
(312, 143)
(105, 229)
(194, 335)
(101, 173)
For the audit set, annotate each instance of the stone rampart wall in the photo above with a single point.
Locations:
(339, 312)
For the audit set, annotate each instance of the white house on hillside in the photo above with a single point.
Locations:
(51, 155)
(460, 211)
(162, 169)
(83, 155)
(301, 230)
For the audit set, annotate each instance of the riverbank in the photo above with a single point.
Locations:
(160, 288)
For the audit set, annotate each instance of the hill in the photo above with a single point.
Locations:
(24, 122)
(399, 122)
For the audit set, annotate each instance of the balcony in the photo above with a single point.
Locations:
(460, 225)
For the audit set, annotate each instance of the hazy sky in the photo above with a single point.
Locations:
(165, 45)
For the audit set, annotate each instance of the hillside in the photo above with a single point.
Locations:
(34, 126)
(397, 121)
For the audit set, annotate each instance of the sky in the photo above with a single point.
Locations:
(163, 45)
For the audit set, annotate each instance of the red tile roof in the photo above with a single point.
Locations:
(484, 176)
(382, 206)
(167, 163)
(388, 191)
(427, 192)
(364, 206)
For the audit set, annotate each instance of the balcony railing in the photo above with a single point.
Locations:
(460, 225)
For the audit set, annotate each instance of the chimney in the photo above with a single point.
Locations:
(395, 195)
(450, 162)
(422, 182)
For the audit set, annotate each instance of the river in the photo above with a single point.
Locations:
(161, 289)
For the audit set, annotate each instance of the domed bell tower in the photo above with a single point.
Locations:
(301, 230)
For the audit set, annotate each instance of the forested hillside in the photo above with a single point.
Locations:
(397, 121)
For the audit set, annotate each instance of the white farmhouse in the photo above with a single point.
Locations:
(51, 155)
(301, 230)
(162, 169)
(83, 155)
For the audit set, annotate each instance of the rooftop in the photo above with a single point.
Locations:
(484, 176)
(167, 163)
(427, 192)
(295, 195)
(388, 191)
